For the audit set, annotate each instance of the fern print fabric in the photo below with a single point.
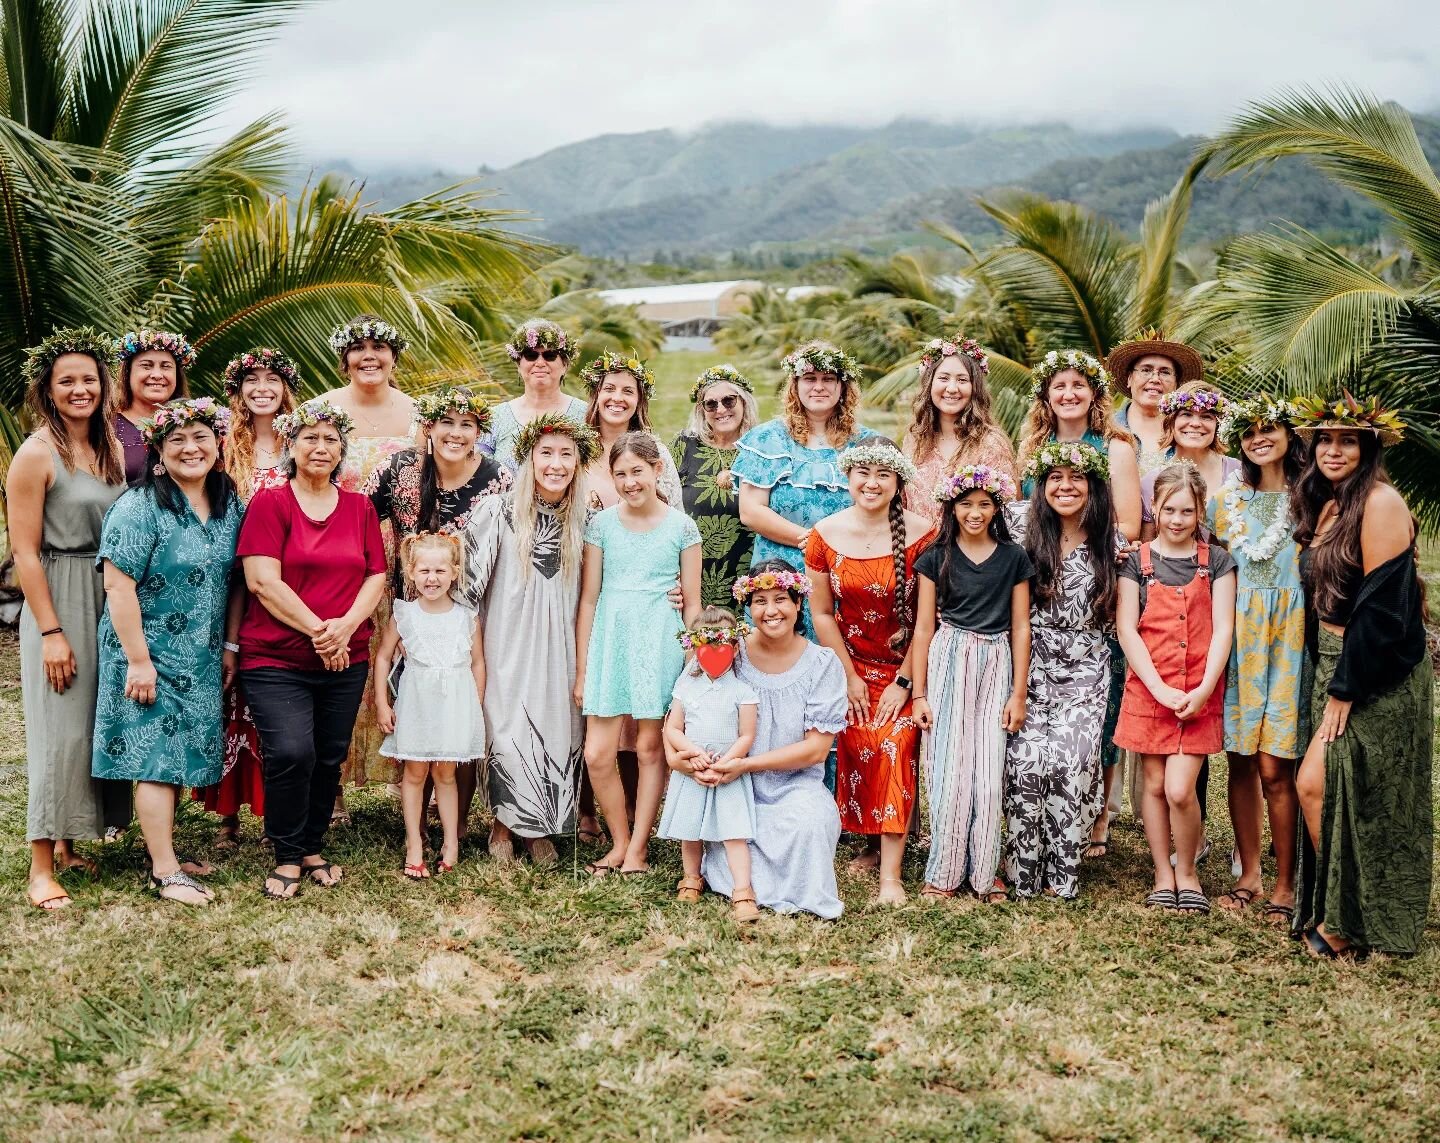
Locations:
(712, 499)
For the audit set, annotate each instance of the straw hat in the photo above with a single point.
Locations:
(1188, 363)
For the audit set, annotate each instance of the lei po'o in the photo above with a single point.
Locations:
(260, 358)
(1276, 536)
(714, 375)
(81, 339)
(748, 585)
(878, 456)
(939, 348)
(1204, 401)
(822, 357)
(1075, 455)
(177, 414)
(1259, 412)
(310, 414)
(975, 478)
(728, 635)
(344, 336)
(135, 342)
(587, 440)
(460, 401)
(1057, 361)
(594, 372)
(540, 334)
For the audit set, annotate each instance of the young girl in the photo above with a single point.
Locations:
(715, 713)
(978, 581)
(436, 721)
(626, 658)
(1174, 616)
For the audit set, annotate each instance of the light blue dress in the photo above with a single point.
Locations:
(181, 570)
(634, 657)
(797, 825)
(695, 812)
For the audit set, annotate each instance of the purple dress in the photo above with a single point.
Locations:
(134, 445)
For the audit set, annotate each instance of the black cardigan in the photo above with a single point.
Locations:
(1385, 638)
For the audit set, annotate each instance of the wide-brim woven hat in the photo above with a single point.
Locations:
(1188, 364)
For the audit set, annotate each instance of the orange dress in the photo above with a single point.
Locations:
(875, 776)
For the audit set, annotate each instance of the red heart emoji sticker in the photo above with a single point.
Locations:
(715, 658)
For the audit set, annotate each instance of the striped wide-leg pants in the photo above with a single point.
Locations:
(970, 678)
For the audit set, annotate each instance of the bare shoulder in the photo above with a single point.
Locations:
(1386, 529)
(33, 460)
(916, 526)
(1385, 501)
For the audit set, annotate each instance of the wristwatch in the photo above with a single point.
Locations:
(902, 681)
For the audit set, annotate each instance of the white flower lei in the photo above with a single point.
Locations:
(1271, 540)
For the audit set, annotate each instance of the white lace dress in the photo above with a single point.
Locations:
(438, 717)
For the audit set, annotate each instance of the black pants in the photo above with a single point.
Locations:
(305, 720)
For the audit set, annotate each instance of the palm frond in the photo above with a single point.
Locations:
(952, 236)
(32, 62)
(1156, 262)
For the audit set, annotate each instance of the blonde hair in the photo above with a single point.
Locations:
(1171, 479)
(711, 616)
(839, 428)
(411, 547)
(1041, 423)
(699, 427)
(570, 512)
(240, 443)
(1167, 431)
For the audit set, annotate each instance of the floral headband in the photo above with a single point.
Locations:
(748, 585)
(177, 414)
(608, 362)
(540, 333)
(975, 478)
(136, 342)
(1056, 362)
(1314, 413)
(1258, 412)
(430, 407)
(706, 634)
(260, 358)
(80, 339)
(310, 414)
(939, 348)
(1067, 454)
(1206, 401)
(344, 336)
(587, 440)
(822, 357)
(878, 456)
(714, 375)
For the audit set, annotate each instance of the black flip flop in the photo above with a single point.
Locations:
(1239, 894)
(324, 867)
(1319, 948)
(1273, 910)
(285, 880)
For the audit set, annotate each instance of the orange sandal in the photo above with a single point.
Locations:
(743, 907)
(689, 889)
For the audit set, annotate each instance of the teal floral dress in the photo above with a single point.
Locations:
(181, 570)
(712, 499)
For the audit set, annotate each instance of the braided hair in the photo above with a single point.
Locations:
(903, 604)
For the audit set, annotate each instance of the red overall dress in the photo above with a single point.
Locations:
(1175, 626)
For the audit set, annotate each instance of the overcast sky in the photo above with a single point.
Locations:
(461, 83)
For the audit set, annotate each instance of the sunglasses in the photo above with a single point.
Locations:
(536, 354)
(727, 403)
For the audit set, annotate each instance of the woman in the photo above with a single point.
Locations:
(801, 687)
(1191, 431)
(704, 454)
(620, 390)
(787, 467)
(1364, 783)
(167, 547)
(863, 606)
(152, 371)
(1054, 780)
(315, 566)
(523, 553)
(261, 384)
(542, 352)
(1264, 701)
(1146, 369)
(62, 480)
(952, 423)
(368, 349)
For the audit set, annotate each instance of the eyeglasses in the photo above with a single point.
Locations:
(536, 354)
(713, 405)
(1145, 372)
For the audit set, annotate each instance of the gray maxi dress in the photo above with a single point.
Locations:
(65, 802)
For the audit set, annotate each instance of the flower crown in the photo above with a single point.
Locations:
(975, 478)
(714, 375)
(430, 407)
(80, 339)
(878, 456)
(1258, 412)
(177, 414)
(136, 342)
(540, 333)
(587, 440)
(260, 358)
(1056, 362)
(706, 634)
(941, 347)
(608, 362)
(344, 336)
(310, 414)
(1206, 401)
(1348, 411)
(1067, 454)
(822, 357)
(748, 585)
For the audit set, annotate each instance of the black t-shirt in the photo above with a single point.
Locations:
(1176, 571)
(976, 597)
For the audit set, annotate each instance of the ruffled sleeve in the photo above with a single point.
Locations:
(130, 533)
(766, 456)
(825, 705)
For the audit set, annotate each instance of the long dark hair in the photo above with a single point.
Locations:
(1042, 543)
(1292, 464)
(776, 564)
(219, 488)
(100, 430)
(949, 536)
(1335, 562)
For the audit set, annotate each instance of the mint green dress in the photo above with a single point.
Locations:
(634, 657)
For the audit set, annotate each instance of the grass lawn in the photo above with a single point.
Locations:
(509, 1003)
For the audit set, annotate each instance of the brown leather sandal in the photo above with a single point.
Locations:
(689, 889)
(743, 907)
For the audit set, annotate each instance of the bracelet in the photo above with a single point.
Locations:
(233, 647)
(914, 697)
(53, 631)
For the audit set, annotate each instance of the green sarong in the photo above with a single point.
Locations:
(1370, 880)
